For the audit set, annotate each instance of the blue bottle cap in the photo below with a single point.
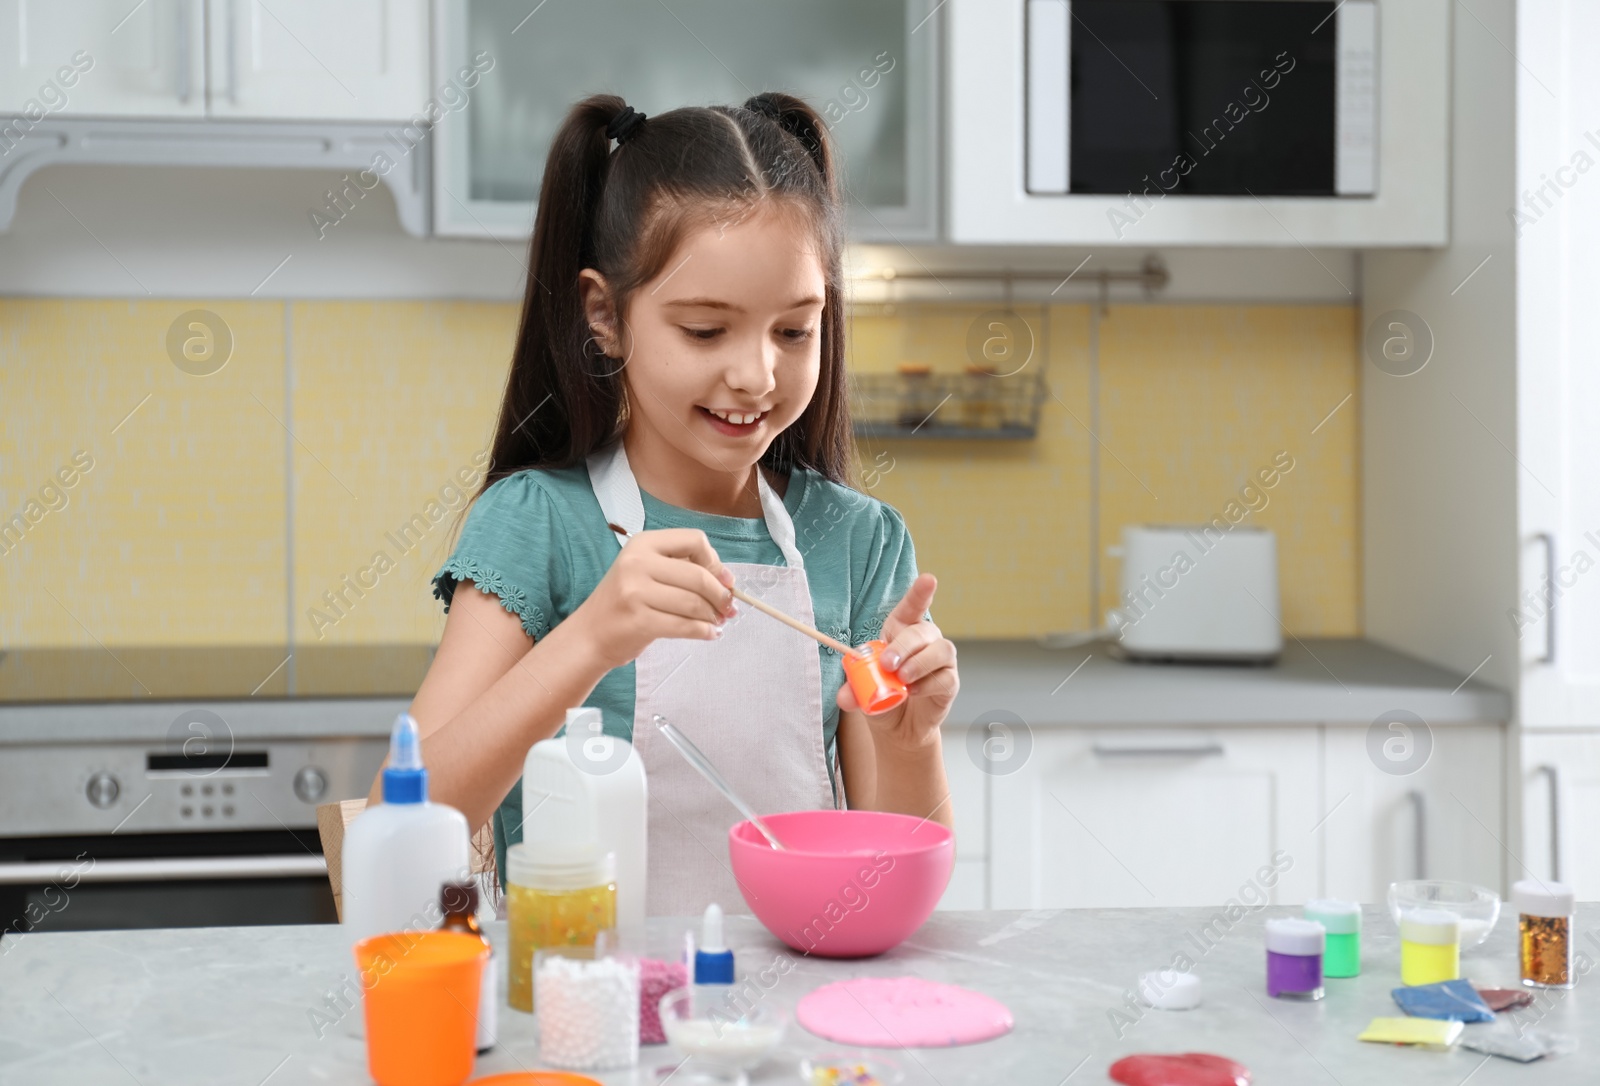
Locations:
(404, 779)
(713, 961)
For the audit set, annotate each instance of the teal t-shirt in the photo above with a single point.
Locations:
(538, 541)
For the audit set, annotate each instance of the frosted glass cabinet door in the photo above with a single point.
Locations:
(100, 58)
(868, 66)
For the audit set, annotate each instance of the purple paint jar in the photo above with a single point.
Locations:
(1294, 958)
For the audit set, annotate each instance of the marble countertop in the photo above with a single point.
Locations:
(225, 1006)
(1317, 681)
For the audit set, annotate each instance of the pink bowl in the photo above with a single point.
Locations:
(847, 884)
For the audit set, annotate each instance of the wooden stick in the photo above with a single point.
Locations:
(792, 623)
(767, 609)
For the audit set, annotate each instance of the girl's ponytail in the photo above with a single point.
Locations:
(562, 400)
(802, 122)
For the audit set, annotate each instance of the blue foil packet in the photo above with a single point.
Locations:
(1453, 1000)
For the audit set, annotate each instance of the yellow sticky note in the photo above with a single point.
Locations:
(1428, 1032)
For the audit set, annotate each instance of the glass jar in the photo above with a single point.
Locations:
(1294, 958)
(1430, 946)
(588, 1007)
(1545, 932)
(553, 905)
(1341, 956)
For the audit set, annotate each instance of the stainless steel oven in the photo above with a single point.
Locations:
(129, 808)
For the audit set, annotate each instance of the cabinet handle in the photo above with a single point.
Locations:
(232, 50)
(1188, 750)
(1419, 844)
(197, 868)
(1549, 541)
(183, 52)
(1553, 775)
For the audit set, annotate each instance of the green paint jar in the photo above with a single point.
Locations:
(1341, 955)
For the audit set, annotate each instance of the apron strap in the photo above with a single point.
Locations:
(780, 525)
(618, 494)
(615, 488)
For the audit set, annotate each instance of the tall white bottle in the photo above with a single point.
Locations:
(589, 770)
(398, 853)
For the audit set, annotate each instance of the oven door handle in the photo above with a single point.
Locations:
(71, 872)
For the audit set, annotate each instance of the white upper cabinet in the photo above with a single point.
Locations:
(1198, 122)
(1557, 223)
(102, 58)
(355, 60)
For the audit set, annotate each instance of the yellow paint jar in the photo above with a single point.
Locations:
(553, 904)
(1430, 946)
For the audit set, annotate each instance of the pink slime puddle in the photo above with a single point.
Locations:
(901, 1012)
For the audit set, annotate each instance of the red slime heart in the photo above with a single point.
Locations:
(1189, 1069)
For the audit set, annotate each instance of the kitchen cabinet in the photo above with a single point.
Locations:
(1557, 611)
(1443, 819)
(870, 70)
(1481, 489)
(1561, 809)
(1555, 223)
(989, 201)
(1129, 817)
(357, 60)
(969, 797)
(102, 58)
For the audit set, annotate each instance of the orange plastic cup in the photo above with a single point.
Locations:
(420, 993)
(877, 689)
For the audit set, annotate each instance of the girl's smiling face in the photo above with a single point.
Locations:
(722, 352)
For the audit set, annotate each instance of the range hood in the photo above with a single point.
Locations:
(352, 148)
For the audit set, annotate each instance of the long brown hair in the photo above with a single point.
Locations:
(623, 212)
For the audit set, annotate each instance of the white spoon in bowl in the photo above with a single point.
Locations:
(694, 757)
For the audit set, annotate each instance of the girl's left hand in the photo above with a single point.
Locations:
(925, 660)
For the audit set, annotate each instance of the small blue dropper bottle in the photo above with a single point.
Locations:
(713, 961)
(404, 779)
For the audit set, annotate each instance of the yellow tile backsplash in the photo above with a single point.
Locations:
(175, 533)
(316, 477)
(394, 407)
(1195, 400)
(1002, 523)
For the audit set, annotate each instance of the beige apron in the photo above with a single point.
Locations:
(751, 700)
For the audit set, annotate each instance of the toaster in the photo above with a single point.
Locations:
(1198, 592)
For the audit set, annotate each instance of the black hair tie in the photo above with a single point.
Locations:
(624, 125)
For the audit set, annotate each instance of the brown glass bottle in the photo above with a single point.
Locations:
(459, 902)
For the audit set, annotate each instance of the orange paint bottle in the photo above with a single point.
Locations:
(877, 689)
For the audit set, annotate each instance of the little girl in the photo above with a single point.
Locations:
(679, 374)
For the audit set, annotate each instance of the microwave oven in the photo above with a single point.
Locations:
(1249, 98)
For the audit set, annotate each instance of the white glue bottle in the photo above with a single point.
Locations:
(587, 770)
(397, 854)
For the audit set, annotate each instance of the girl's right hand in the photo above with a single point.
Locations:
(666, 583)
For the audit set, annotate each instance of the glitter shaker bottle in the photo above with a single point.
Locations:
(1545, 932)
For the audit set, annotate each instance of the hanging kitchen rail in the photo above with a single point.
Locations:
(1152, 275)
(1001, 393)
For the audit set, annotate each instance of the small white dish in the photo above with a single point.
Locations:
(719, 1046)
